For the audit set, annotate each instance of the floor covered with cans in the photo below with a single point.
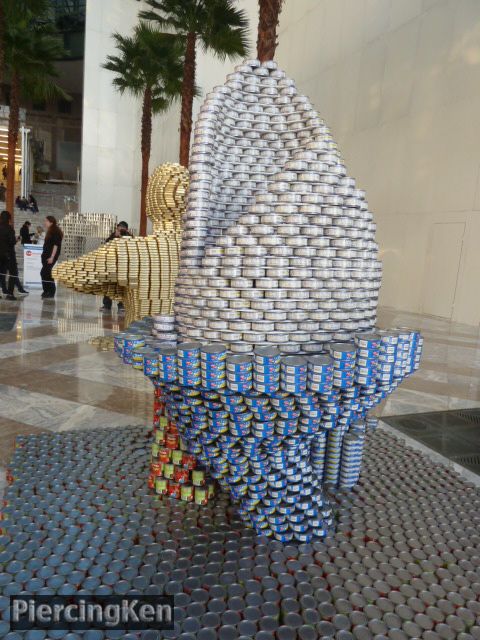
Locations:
(405, 557)
(404, 561)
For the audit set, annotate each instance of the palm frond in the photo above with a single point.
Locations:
(225, 30)
(219, 25)
(31, 51)
(148, 58)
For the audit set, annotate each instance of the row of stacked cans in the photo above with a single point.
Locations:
(173, 470)
(138, 345)
(375, 363)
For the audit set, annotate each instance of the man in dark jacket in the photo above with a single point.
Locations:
(120, 230)
(8, 259)
(25, 235)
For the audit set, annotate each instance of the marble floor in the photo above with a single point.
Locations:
(52, 379)
(449, 375)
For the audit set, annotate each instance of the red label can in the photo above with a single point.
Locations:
(188, 461)
(156, 468)
(181, 475)
(171, 440)
(164, 455)
(174, 490)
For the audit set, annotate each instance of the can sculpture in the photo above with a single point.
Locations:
(277, 359)
(139, 271)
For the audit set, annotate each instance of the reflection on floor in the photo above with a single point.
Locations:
(448, 377)
(51, 378)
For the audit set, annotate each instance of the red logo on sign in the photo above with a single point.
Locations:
(29, 253)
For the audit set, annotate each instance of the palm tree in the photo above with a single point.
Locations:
(268, 16)
(149, 64)
(35, 7)
(217, 25)
(2, 46)
(31, 48)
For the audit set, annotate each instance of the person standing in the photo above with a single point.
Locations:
(121, 230)
(25, 235)
(32, 204)
(52, 247)
(7, 244)
(8, 259)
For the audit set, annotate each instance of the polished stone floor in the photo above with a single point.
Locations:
(52, 379)
(449, 375)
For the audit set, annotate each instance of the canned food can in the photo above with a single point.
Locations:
(198, 477)
(189, 350)
(173, 490)
(201, 497)
(168, 470)
(161, 486)
(164, 455)
(186, 493)
(177, 456)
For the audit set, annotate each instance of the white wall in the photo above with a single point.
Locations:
(398, 82)
(111, 123)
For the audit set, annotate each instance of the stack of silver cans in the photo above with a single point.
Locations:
(163, 328)
(84, 232)
(276, 306)
(278, 243)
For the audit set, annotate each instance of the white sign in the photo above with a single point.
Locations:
(32, 263)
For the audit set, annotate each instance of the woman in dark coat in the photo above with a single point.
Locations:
(8, 259)
(50, 254)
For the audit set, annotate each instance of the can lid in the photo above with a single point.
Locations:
(267, 352)
(239, 359)
(344, 347)
(286, 633)
(189, 346)
(306, 632)
(293, 361)
(207, 634)
(319, 360)
(214, 348)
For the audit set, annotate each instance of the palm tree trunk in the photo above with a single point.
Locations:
(188, 90)
(13, 126)
(269, 13)
(146, 146)
(2, 47)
